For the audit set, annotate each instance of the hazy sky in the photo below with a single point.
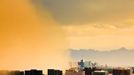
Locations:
(97, 24)
(41, 31)
(27, 41)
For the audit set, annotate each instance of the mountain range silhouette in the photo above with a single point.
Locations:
(115, 57)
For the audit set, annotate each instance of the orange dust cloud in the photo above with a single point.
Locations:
(26, 41)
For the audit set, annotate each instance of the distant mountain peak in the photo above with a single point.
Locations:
(123, 48)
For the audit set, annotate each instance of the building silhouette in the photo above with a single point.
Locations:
(89, 71)
(4, 72)
(54, 72)
(17, 73)
(33, 72)
(122, 71)
(81, 64)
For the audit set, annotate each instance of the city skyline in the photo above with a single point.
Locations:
(82, 68)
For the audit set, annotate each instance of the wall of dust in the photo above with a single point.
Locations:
(29, 41)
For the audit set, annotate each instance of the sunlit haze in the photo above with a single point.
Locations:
(27, 41)
(39, 33)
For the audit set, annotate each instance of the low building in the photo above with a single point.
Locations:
(4, 72)
(33, 72)
(16, 73)
(122, 72)
(54, 72)
(73, 72)
(100, 73)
